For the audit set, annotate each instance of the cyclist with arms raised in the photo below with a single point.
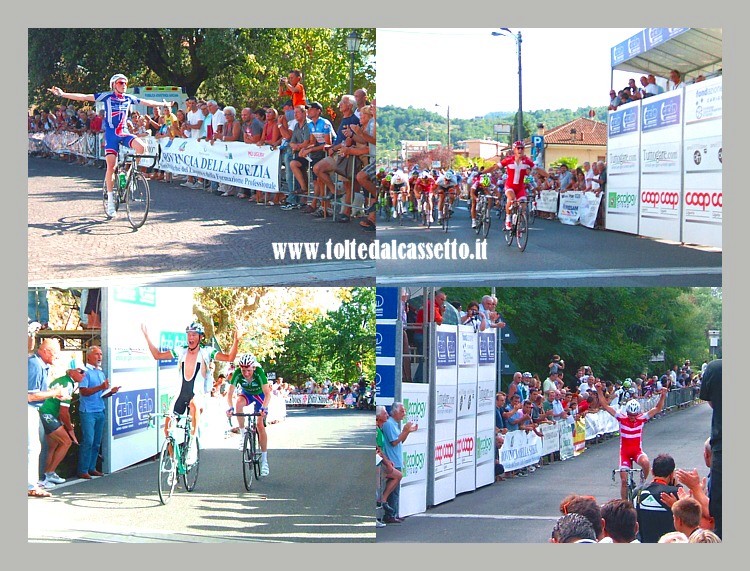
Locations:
(631, 422)
(517, 166)
(252, 382)
(193, 363)
(116, 110)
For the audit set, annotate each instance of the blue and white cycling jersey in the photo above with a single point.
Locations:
(116, 110)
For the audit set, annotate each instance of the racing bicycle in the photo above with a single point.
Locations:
(519, 225)
(484, 215)
(174, 455)
(250, 450)
(427, 215)
(632, 485)
(131, 188)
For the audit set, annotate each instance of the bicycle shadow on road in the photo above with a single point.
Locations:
(89, 225)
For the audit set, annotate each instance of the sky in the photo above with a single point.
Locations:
(476, 73)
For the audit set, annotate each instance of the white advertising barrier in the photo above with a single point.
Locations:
(446, 408)
(660, 209)
(567, 450)
(623, 168)
(306, 400)
(237, 164)
(486, 383)
(416, 401)
(547, 201)
(588, 208)
(466, 414)
(570, 202)
(703, 197)
(550, 438)
(520, 449)
(130, 366)
(599, 423)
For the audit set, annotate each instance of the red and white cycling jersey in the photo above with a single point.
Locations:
(631, 430)
(517, 173)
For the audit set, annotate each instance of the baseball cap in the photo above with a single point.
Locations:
(288, 103)
(527, 375)
(315, 105)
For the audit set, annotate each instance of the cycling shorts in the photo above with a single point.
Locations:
(112, 142)
(443, 189)
(255, 401)
(50, 423)
(629, 453)
(398, 187)
(521, 193)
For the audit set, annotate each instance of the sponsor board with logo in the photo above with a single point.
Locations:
(570, 202)
(144, 388)
(387, 330)
(416, 400)
(589, 208)
(547, 201)
(520, 449)
(623, 174)
(702, 209)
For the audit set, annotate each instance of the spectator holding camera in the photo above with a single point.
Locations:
(474, 317)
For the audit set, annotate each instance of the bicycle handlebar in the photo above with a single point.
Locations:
(246, 414)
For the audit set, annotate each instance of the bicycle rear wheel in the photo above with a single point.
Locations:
(190, 477)
(167, 475)
(137, 200)
(248, 459)
(522, 230)
(532, 212)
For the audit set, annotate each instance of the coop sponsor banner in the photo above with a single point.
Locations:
(550, 438)
(588, 209)
(660, 200)
(702, 208)
(547, 201)
(570, 204)
(236, 164)
(416, 400)
(306, 400)
(446, 413)
(520, 449)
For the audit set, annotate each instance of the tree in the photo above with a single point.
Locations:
(236, 66)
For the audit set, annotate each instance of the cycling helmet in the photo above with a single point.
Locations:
(115, 77)
(248, 360)
(628, 383)
(424, 174)
(484, 180)
(519, 145)
(388, 177)
(633, 407)
(195, 327)
(449, 174)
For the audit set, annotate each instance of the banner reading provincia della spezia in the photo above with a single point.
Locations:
(237, 164)
(703, 165)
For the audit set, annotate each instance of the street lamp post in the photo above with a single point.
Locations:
(450, 153)
(353, 42)
(519, 116)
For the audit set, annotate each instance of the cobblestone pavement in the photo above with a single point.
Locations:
(191, 237)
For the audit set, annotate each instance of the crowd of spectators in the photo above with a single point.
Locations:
(313, 148)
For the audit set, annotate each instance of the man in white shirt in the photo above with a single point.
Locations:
(193, 122)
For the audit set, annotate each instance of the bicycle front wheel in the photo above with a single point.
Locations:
(138, 200)
(256, 454)
(487, 215)
(248, 459)
(509, 234)
(190, 477)
(522, 231)
(167, 476)
(446, 215)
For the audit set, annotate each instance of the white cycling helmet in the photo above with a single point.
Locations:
(633, 407)
(115, 77)
(248, 360)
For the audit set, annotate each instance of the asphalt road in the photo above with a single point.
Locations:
(556, 255)
(524, 510)
(321, 464)
(191, 237)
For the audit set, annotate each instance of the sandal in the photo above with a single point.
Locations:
(39, 493)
